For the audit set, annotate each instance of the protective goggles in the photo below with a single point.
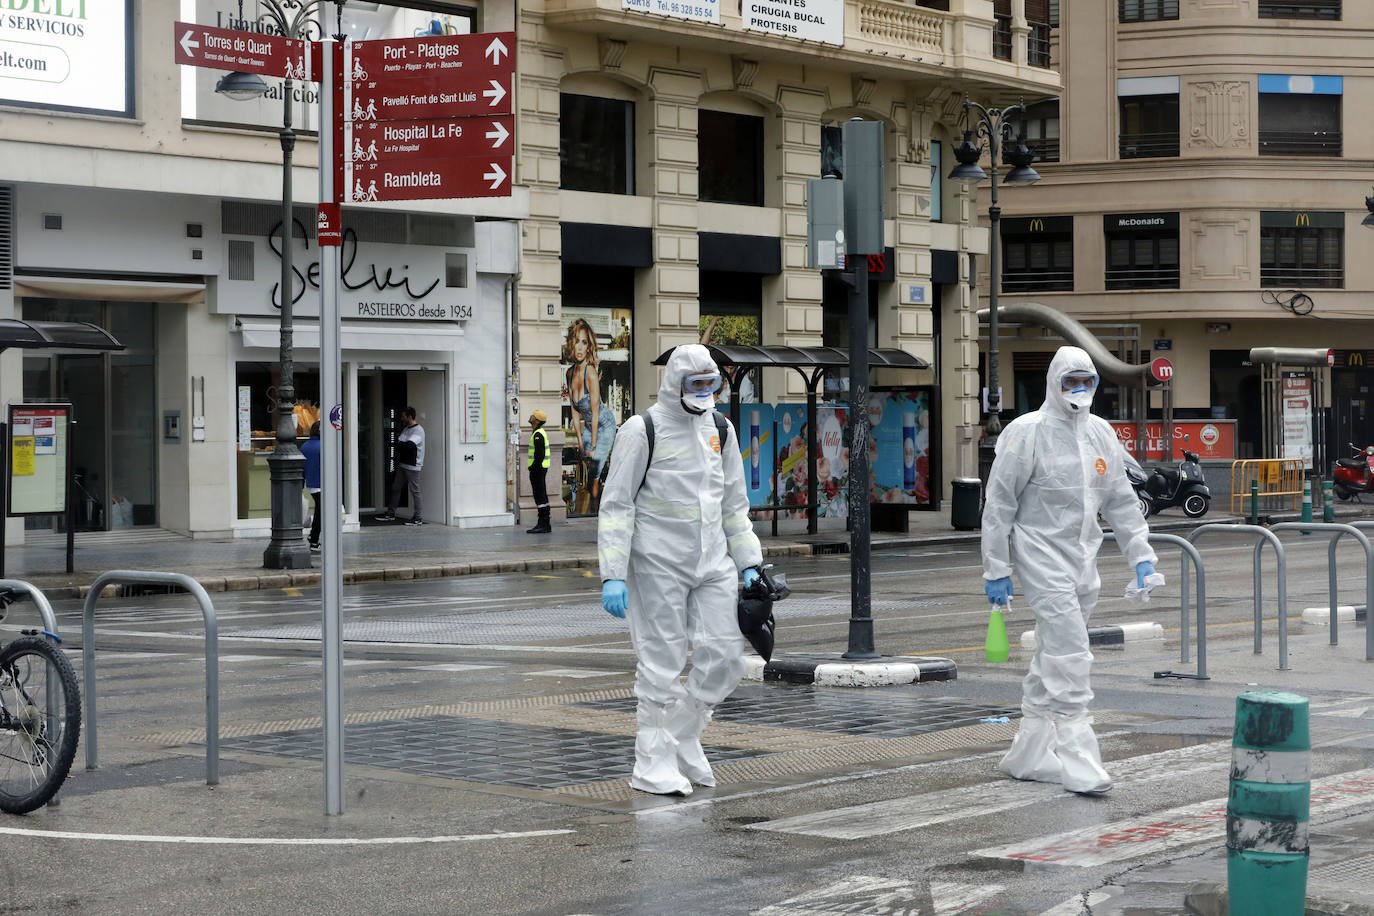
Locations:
(701, 382)
(1079, 380)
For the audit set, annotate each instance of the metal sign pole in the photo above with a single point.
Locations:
(331, 448)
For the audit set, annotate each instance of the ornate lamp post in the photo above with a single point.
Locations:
(287, 549)
(996, 126)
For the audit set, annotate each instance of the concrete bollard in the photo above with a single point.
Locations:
(1267, 810)
(1254, 502)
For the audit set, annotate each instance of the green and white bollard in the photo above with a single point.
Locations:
(1307, 501)
(1254, 502)
(1328, 501)
(1267, 811)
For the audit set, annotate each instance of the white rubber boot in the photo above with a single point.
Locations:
(656, 755)
(1033, 753)
(687, 719)
(1082, 760)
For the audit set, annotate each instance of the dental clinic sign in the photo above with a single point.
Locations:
(813, 20)
(70, 55)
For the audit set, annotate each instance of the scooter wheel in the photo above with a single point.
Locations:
(1342, 491)
(1196, 506)
(1147, 506)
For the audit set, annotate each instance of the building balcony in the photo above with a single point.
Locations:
(887, 38)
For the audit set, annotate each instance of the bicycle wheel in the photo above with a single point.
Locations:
(40, 722)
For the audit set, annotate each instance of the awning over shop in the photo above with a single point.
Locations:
(306, 336)
(55, 335)
(134, 290)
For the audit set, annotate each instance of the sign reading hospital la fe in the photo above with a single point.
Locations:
(66, 54)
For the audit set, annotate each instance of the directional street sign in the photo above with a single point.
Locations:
(447, 95)
(483, 54)
(423, 179)
(247, 52)
(452, 138)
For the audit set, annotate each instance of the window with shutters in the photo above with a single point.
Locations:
(1306, 122)
(1042, 130)
(1302, 249)
(1142, 250)
(1149, 126)
(1038, 41)
(1146, 10)
(1037, 254)
(1311, 9)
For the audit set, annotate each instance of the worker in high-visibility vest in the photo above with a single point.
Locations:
(539, 470)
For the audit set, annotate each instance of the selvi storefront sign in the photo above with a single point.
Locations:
(377, 281)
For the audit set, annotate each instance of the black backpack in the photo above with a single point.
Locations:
(722, 425)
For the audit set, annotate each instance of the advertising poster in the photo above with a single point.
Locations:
(66, 55)
(790, 475)
(737, 331)
(756, 450)
(900, 447)
(597, 398)
(38, 459)
(1297, 416)
(832, 465)
(1211, 439)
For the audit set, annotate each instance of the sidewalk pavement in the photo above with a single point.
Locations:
(386, 552)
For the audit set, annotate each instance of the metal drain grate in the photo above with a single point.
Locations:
(525, 625)
(842, 714)
(475, 750)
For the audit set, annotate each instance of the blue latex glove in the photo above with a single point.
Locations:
(998, 590)
(1142, 569)
(751, 575)
(614, 598)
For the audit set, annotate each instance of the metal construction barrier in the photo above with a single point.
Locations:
(1280, 483)
(1189, 553)
(1264, 535)
(40, 601)
(1337, 531)
(140, 577)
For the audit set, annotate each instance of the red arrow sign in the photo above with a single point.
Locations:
(430, 179)
(444, 96)
(246, 52)
(455, 138)
(484, 54)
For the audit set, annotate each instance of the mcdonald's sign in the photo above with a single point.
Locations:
(1352, 359)
(1037, 225)
(1302, 220)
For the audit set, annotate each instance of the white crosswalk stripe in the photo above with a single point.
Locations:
(894, 815)
(864, 894)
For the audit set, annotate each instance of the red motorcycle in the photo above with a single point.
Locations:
(1352, 476)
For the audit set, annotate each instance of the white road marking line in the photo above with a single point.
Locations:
(1079, 904)
(574, 672)
(867, 894)
(451, 666)
(280, 841)
(894, 815)
(1156, 833)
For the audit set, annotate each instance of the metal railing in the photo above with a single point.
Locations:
(1311, 9)
(133, 576)
(1157, 277)
(1034, 281)
(1338, 531)
(1264, 536)
(1299, 142)
(1189, 553)
(1159, 145)
(1280, 483)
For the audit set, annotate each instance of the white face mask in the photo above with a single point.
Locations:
(1079, 398)
(700, 402)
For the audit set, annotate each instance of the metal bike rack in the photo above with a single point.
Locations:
(132, 576)
(40, 601)
(1338, 530)
(1189, 553)
(1264, 534)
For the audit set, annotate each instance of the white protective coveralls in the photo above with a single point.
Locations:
(679, 541)
(1056, 469)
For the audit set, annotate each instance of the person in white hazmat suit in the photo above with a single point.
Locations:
(671, 543)
(1056, 469)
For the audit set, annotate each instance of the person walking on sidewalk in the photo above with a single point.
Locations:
(1056, 469)
(672, 535)
(539, 471)
(410, 458)
(310, 448)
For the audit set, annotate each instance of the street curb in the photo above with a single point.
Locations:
(833, 671)
(1112, 635)
(1321, 616)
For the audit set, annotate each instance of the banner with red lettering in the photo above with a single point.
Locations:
(1211, 439)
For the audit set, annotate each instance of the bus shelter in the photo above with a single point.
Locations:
(811, 363)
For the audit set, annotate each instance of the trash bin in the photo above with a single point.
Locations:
(967, 511)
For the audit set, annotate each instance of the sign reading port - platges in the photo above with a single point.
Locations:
(814, 20)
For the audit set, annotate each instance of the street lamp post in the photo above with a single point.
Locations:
(996, 126)
(287, 549)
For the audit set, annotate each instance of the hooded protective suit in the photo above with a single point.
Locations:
(679, 541)
(1056, 469)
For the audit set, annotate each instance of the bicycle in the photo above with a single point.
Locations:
(40, 717)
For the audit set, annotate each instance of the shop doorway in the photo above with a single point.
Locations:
(113, 397)
(1352, 402)
(382, 395)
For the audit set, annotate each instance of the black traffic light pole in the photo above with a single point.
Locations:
(861, 605)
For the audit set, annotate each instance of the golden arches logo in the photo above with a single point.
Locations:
(1037, 225)
(1354, 358)
(1303, 220)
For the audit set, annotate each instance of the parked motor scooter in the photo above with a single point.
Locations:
(1164, 487)
(1352, 476)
